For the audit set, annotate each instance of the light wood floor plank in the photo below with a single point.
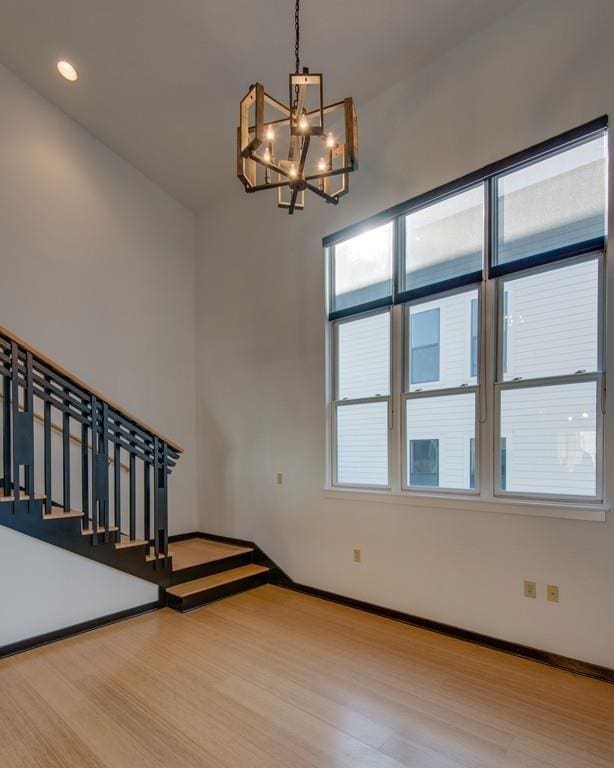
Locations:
(273, 679)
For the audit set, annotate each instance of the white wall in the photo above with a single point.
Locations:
(261, 398)
(96, 270)
(58, 588)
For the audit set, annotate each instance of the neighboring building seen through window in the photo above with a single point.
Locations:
(424, 331)
(424, 462)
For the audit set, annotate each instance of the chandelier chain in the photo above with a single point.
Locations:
(297, 30)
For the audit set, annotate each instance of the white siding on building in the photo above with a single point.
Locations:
(362, 444)
(552, 322)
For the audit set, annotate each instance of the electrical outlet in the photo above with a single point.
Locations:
(552, 593)
(357, 555)
(530, 589)
(280, 478)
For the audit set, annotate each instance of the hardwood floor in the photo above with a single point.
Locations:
(271, 678)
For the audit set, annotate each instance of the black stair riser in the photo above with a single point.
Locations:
(67, 535)
(211, 595)
(206, 569)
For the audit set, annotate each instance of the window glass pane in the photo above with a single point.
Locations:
(424, 462)
(551, 324)
(363, 349)
(548, 438)
(440, 342)
(362, 268)
(444, 240)
(362, 444)
(449, 422)
(553, 203)
(424, 346)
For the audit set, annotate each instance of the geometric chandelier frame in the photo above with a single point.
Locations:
(274, 140)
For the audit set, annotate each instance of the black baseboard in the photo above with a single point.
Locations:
(281, 579)
(576, 666)
(75, 629)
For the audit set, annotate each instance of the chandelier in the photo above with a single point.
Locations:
(304, 146)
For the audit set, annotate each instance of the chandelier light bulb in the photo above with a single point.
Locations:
(330, 140)
(292, 172)
(303, 123)
(322, 164)
(267, 155)
(270, 133)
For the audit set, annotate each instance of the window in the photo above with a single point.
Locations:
(362, 400)
(362, 270)
(424, 335)
(548, 393)
(413, 303)
(424, 462)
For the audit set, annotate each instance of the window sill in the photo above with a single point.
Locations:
(592, 512)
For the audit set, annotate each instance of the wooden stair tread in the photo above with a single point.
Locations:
(151, 555)
(216, 580)
(192, 552)
(125, 542)
(22, 497)
(57, 513)
(100, 529)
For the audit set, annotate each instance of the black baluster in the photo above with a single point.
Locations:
(94, 428)
(164, 544)
(117, 490)
(47, 450)
(156, 471)
(15, 405)
(132, 497)
(6, 435)
(85, 476)
(147, 502)
(27, 424)
(66, 460)
(104, 473)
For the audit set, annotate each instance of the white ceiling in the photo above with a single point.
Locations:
(160, 80)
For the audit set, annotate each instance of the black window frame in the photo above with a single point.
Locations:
(486, 176)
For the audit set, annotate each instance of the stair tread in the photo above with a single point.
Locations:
(57, 513)
(151, 555)
(101, 529)
(22, 497)
(197, 551)
(215, 580)
(125, 542)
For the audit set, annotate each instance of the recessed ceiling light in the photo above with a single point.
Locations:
(68, 72)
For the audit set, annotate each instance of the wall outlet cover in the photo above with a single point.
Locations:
(552, 593)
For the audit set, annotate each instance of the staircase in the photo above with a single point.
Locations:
(80, 472)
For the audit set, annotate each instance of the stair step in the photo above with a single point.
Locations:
(198, 586)
(125, 542)
(100, 529)
(192, 553)
(22, 497)
(151, 555)
(57, 513)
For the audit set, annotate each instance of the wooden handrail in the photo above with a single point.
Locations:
(83, 385)
(73, 438)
